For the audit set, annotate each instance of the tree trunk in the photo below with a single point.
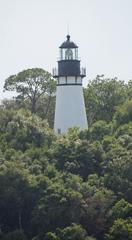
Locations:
(48, 104)
(33, 106)
(20, 220)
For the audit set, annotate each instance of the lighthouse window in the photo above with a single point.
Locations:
(61, 54)
(68, 54)
(76, 53)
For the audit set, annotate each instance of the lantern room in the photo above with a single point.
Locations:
(68, 50)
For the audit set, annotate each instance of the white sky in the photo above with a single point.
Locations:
(32, 30)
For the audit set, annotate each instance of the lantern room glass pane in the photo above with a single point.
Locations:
(68, 54)
(76, 53)
(61, 54)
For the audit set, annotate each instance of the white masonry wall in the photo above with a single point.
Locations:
(70, 107)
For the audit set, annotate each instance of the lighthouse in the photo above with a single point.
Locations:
(70, 107)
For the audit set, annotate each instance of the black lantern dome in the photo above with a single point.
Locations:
(68, 43)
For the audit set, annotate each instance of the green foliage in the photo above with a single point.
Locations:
(99, 129)
(45, 108)
(118, 173)
(74, 232)
(122, 209)
(97, 201)
(77, 156)
(17, 196)
(21, 130)
(121, 229)
(124, 113)
(61, 197)
(102, 96)
(72, 186)
(51, 236)
(124, 129)
(31, 84)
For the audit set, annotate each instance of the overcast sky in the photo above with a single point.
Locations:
(32, 30)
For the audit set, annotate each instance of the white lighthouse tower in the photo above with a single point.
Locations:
(70, 107)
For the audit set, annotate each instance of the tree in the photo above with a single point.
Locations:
(45, 108)
(51, 236)
(121, 230)
(77, 156)
(59, 204)
(122, 209)
(117, 170)
(31, 84)
(73, 232)
(97, 202)
(72, 186)
(99, 129)
(124, 113)
(21, 130)
(102, 96)
(17, 197)
(125, 129)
